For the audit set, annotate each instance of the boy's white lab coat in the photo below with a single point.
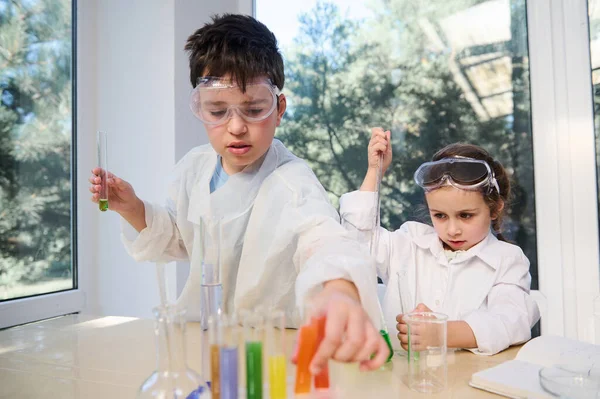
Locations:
(281, 237)
(486, 286)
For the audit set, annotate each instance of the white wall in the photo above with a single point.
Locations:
(132, 83)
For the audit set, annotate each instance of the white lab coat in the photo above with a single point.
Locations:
(486, 286)
(281, 238)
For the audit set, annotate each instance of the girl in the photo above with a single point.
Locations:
(461, 266)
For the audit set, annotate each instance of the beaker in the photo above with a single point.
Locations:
(427, 346)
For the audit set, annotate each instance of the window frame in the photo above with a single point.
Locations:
(46, 305)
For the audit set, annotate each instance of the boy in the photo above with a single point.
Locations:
(278, 230)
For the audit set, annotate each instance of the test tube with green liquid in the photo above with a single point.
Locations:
(275, 351)
(101, 142)
(253, 331)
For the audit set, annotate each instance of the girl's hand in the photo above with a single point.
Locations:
(380, 144)
(422, 335)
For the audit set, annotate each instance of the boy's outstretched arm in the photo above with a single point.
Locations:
(349, 334)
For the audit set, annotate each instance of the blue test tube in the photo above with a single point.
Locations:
(229, 358)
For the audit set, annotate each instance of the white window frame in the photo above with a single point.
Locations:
(25, 310)
(564, 165)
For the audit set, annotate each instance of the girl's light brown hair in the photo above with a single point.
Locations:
(497, 202)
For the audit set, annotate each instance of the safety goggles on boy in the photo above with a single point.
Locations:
(460, 172)
(214, 100)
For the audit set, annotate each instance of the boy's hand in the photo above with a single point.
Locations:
(420, 335)
(349, 334)
(121, 198)
(380, 144)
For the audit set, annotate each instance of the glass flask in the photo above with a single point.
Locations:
(172, 378)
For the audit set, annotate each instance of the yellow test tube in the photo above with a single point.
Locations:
(275, 349)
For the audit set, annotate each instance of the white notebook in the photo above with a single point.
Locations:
(519, 378)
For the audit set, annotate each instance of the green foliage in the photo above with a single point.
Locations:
(346, 76)
(35, 140)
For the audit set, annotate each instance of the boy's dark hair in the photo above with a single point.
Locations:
(492, 198)
(237, 45)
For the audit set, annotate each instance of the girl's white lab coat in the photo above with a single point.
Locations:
(281, 237)
(486, 286)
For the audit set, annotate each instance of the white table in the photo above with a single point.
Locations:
(82, 356)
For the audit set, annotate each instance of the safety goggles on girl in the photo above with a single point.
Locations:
(460, 172)
(214, 100)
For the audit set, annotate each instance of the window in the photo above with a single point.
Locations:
(37, 245)
(432, 72)
(594, 22)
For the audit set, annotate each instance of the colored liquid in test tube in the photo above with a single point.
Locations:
(215, 334)
(321, 379)
(253, 330)
(308, 336)
(102, 144)
(275, 350)
(229, 359)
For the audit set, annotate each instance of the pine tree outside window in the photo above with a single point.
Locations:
(37, 213)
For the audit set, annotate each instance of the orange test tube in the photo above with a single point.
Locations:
(307, 346)
(321, 379)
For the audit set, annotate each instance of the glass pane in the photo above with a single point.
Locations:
(35, 147)
(594, 19)
(434, 72)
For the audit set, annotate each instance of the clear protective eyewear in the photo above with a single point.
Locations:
(214, 100)
(460, 172)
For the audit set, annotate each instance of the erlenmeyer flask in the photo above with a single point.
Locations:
(172, 379)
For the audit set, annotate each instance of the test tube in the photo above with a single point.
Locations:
(253, 330)
(229, 359)
(308, 336)
(101, 142)
(321, 379)
(275, 349)
(211, 288)
(215, 335)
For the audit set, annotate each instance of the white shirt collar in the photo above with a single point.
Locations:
(491, 257)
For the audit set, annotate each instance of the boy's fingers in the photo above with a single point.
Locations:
(370, 346)
(120, 183)
(399, 318)
(334, 330)
(380, 356)
(353, 340)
